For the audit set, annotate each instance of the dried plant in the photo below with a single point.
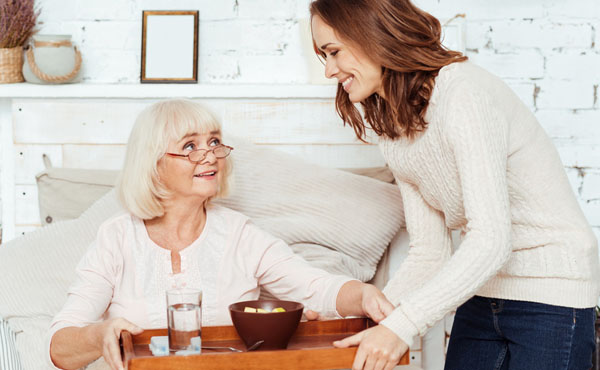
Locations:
(17, 22)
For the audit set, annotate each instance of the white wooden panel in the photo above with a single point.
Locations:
(448, 322)
(111, 157)
(287, 122)
(417, 345)
(7, 175)
(416, 358)
(338, 156)
(27, 208)
(28, 161)
(434, 350)
(158, 91)
(109, 121)
(74, 121)
(104, 157)
(21, 230)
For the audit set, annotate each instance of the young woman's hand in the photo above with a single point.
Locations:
(374, 304)
(378, 348)
(109, 332)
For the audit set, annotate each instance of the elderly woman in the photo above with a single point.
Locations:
(172, 236)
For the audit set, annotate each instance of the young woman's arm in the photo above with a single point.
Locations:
(479, 137)
(359, 299)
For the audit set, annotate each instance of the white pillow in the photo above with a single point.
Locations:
(305, 203)
(350, 218)
(37, 271)
(9, 358)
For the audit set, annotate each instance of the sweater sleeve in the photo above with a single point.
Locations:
(429, 248)
(478, 136)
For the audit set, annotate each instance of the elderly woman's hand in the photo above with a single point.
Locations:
(374, 304)
(109, 332)
(379, 348)
(311, 315)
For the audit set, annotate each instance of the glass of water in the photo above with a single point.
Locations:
(184, 316)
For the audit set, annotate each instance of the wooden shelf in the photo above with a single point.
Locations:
(144, 91)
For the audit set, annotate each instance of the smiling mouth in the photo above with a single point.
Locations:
(347, 82)
(206, 174)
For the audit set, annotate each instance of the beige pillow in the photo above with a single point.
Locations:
(379, 173)
(64, 193)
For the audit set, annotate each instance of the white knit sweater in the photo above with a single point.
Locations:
(485, 166)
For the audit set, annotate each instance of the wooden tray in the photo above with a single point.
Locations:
(310, 348)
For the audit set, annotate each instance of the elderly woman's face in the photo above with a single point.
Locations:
(185, 178)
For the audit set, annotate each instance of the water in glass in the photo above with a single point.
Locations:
(184, 324)
(184, 315)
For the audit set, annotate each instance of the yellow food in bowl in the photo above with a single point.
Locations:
(262, 310)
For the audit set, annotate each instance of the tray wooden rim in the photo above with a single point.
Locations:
(323, 358)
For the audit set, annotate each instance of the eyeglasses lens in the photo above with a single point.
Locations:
(219, 152)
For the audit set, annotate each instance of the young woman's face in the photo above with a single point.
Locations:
(185, 178)
(359, 75)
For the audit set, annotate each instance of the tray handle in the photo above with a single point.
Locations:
(127, 348)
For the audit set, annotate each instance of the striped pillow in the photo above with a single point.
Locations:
(9, 358)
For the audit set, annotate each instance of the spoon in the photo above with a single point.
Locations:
(251, 348)
(255, 345)
(228, 348)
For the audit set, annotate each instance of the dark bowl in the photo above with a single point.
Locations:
(275, 328)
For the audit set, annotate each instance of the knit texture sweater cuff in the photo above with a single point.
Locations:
(399, 323)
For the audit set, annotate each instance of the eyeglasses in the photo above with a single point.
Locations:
(199, 155)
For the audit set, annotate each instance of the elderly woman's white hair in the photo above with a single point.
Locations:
(139, 186)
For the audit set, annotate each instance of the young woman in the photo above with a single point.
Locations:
(172, 236)
(467, 155)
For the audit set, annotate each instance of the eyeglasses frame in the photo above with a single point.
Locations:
(206, 151)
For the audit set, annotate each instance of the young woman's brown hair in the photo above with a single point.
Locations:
(406, 42)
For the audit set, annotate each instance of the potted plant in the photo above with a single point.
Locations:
(17, 22)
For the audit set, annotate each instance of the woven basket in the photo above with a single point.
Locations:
(11, 65)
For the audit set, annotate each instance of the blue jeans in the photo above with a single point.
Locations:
(501, 334)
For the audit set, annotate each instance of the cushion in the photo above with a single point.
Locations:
(9, 358)
(380, 173)
(64, 193)
(335, 219)
(37, 270)
(305, 203)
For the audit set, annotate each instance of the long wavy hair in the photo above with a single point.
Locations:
(406, 42)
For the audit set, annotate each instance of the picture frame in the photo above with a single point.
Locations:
(169, 46)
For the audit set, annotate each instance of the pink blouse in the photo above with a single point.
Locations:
(125, 274)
